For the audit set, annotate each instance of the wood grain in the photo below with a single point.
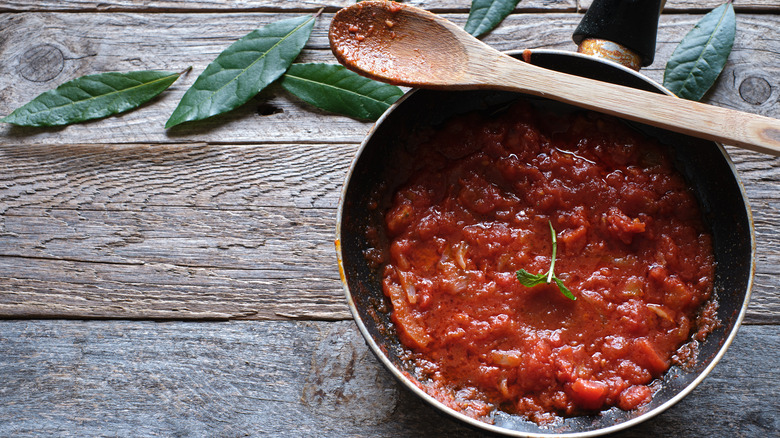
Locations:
(212, 231)
(251, 5)
(289, 379)
(176, 231)
(92, 43)
(698, 5)
(293, 5)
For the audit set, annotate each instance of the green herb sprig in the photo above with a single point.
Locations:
(530, 280)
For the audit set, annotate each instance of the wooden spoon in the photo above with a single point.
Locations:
(404, 45)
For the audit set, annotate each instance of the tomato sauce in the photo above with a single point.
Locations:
(632, 248)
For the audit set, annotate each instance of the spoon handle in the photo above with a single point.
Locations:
(727, 126)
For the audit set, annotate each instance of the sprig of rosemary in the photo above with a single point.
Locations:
(530, 280)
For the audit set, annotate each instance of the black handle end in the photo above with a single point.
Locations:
(630, 23)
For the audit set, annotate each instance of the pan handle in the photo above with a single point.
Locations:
(623, 31)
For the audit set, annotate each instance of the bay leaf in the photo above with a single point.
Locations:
(485, 15)
(701, 55)
(334, 88)
(243, 69)
(92, 97)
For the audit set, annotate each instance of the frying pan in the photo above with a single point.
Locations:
(386, 157)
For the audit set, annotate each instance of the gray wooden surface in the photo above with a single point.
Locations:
(184, 282)
(275, 378)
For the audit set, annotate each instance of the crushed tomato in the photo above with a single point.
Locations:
(632, 247)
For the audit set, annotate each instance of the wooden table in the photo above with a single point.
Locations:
(184, 282)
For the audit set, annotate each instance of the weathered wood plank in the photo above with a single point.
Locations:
(176, 231)
(289, 379)
(760, 177)
(178, 273)
(36, 288)
(698, 5)
(252, 5)
(198, 264)
(212, 231)
(71, 45)
(171, 264)
(144, 176)
(295, 5)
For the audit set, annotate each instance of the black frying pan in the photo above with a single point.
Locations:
(382, 164)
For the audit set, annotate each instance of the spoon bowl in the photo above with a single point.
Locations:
(400, 45)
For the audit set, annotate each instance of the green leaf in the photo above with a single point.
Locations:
(243, 69)
(334, 88)
(485, 15)
(528, 279)
(564, 290)
(700, 57)
(92, 97)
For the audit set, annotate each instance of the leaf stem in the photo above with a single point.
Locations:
(551, 273)
(530, 280)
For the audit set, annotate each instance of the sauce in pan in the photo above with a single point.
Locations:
(631, 247)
